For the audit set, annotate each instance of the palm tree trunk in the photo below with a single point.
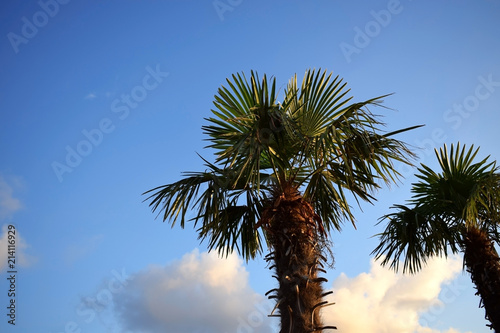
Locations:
(297, 257)
(483, 263)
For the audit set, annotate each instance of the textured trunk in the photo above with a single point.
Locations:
(296, 258)
(483, 263)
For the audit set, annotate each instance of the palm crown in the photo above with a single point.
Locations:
(465, 194)
(313, 140)
(458, 210)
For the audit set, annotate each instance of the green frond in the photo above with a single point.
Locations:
(462, 189)
(232, 226)
(314, 141)
(176, 199)
(464, 193)
(318, 102)
(326, 192)
(412, 236)
(226, 210)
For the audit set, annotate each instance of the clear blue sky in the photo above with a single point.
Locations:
(101, 101)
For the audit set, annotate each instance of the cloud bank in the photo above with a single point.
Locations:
(384, 302)
(202, 293)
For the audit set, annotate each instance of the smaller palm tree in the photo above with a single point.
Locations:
(456, 210)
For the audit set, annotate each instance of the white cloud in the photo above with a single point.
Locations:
(384, 302)
(8, 204)
(21, 257)
(200, 293)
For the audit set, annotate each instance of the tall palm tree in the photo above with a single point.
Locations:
(280, 177)
(455, 210)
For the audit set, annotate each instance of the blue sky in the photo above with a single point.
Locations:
(101, 101)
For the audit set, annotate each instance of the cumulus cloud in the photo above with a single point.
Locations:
(201, 293)
(8, 204)
(384, 302)
(21, 257)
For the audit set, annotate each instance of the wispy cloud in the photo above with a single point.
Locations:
(8, 204)
(200, 293)
(91, 95)
(384, 302)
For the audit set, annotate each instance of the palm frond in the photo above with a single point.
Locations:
(464, 193)
(313, 141)
(412, 236)
(227, 222)
(463, 187)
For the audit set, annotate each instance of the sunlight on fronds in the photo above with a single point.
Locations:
(313, 139)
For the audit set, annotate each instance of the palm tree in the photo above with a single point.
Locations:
(280, 177)
(457, 210)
